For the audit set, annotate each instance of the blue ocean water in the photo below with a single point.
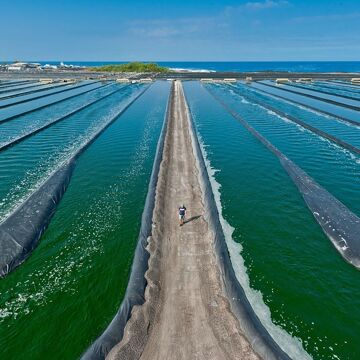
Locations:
(248, 66)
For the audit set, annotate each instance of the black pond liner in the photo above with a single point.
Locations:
(303, 124)
(333, 102)
(68, 88)
(4, 120)
(135, 290)
(329, 85)
(9, 83)
(22, 137)
(21, 231)
(339, 224)
(323, 92)
(28, 92)
(258, 336)
(343, 84)
(269, 94)
(23, 87)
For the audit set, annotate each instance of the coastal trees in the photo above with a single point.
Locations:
(132, 67)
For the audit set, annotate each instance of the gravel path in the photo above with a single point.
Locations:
(186, 314)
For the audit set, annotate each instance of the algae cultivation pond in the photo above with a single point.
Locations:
(302, 284)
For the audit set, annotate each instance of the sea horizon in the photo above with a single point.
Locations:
(233, 66)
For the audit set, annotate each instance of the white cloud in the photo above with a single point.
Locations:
(267, 4)
(329, 18)
(255, 6)
(162, 29)
(219, 24)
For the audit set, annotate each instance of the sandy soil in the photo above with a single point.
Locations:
(186, 314)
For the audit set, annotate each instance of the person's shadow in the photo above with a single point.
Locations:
(192, 219)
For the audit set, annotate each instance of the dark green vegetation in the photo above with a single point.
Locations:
(138, 67)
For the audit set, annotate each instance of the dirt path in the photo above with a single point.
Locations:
(186, 315)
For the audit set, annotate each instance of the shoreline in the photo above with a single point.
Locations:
(183, 75)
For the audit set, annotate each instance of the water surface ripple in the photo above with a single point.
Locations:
(76, 278)
(311, 291)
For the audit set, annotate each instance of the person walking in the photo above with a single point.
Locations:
(182, 214)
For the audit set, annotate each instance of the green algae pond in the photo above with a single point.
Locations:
(67, 292)
(56, 303)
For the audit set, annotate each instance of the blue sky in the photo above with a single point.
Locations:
(259, 30)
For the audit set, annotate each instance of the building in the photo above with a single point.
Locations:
(282, 80)
(122, 80)
(22, 66)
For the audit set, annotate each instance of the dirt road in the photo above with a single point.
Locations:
(186, 314)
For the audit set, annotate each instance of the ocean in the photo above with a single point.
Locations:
(246, 66)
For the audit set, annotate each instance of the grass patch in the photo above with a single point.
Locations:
(137, 67)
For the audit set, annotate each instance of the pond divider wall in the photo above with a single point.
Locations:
(303, 124)
(49, 104)
(25, 87)
(53, 122)
(28, 92)
(333, 102)
(257, 335)
(9, 83)
(340, 225)
(343, 84)
(21, 231)
(305, 106)
(2, 106)
(323, 92)
(135, 290)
